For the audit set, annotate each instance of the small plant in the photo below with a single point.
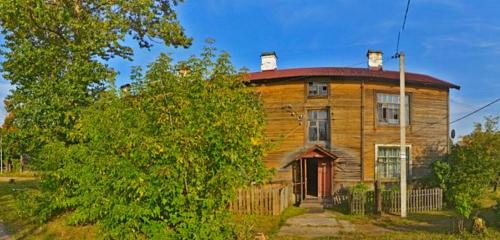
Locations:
(391, 187)
(245, 230)
(360, 188)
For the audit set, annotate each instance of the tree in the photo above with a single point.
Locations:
(473, 166)
(55, 53)
(163, 160)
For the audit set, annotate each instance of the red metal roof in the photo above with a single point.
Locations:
(352, 73)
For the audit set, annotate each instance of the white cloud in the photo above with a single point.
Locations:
(469, 44)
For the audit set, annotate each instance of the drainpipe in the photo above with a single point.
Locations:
(362, 142)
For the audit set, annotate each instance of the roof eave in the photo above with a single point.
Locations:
(444, 84)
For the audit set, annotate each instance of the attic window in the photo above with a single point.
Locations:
(317, 89)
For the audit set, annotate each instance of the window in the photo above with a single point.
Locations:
(388, 108)
(317, 89)
(388, 160)
(318, 125)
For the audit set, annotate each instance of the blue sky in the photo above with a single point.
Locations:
(454, 40)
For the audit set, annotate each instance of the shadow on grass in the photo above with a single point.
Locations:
(269, 225)
(9, 213)
(432, 222)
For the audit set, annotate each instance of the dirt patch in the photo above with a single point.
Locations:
(17, 179)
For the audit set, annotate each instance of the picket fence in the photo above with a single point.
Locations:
(418, 200)
(263, 200)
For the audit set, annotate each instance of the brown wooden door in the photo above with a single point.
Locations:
(324, 178)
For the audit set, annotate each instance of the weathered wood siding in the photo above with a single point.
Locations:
(286, 105)
(427, 134)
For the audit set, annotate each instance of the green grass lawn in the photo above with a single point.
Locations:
(426, 226)
(24, 228)
(269, 225)
(8, 211)
(432, 225)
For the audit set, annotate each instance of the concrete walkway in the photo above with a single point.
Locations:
(3, 233)
(321, 224)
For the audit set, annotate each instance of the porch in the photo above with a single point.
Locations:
(312, 172)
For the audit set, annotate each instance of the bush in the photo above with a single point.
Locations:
(360, 187)
(472, 166)
(162, 161)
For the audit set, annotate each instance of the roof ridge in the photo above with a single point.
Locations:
(411, 77)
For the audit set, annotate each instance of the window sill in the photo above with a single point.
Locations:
(317, 97)
(390, 125)
(388, 180)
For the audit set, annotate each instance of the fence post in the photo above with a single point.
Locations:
(378, 198)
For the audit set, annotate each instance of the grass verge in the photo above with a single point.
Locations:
(249, 225)
(24, 228)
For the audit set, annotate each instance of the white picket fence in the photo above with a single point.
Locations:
(418, 200)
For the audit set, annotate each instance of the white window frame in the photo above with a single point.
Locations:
(408, 109)
(410, 160)
(328, 122)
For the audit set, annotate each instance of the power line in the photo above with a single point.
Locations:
(406, 14)
(428, 124)
(402, 29)
(475, 111)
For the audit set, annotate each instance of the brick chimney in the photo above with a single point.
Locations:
(374, 59)
(268, 61)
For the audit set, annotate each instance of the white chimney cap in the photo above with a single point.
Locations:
(375, 59)
(268, 61)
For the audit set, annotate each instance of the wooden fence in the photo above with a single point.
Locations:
(418, 200)
(361, 203)
(263, 200)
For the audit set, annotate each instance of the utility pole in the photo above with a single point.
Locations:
(402, 125)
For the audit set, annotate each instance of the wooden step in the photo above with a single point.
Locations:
(315, 203)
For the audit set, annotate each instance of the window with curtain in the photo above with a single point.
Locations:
(388, 166)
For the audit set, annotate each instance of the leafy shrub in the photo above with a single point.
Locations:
(472, 166)
(165, 159)
(360, 187)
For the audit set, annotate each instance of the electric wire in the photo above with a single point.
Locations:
(396, 55)
(428, 124)
(475, 111)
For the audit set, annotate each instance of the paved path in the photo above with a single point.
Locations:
(6, 179)
(321, 225)
(3, 233)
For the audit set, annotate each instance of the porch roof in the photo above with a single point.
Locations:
(313, 151)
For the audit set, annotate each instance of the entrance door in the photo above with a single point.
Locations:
(324, 178)
(312, 177)
(298, 180)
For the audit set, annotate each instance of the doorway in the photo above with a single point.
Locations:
(312, 174)
(312, 178)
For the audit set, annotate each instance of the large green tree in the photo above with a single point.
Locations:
(163, 160)
(55, 53)
(472, 167)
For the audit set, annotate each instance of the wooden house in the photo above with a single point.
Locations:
(332, 127)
